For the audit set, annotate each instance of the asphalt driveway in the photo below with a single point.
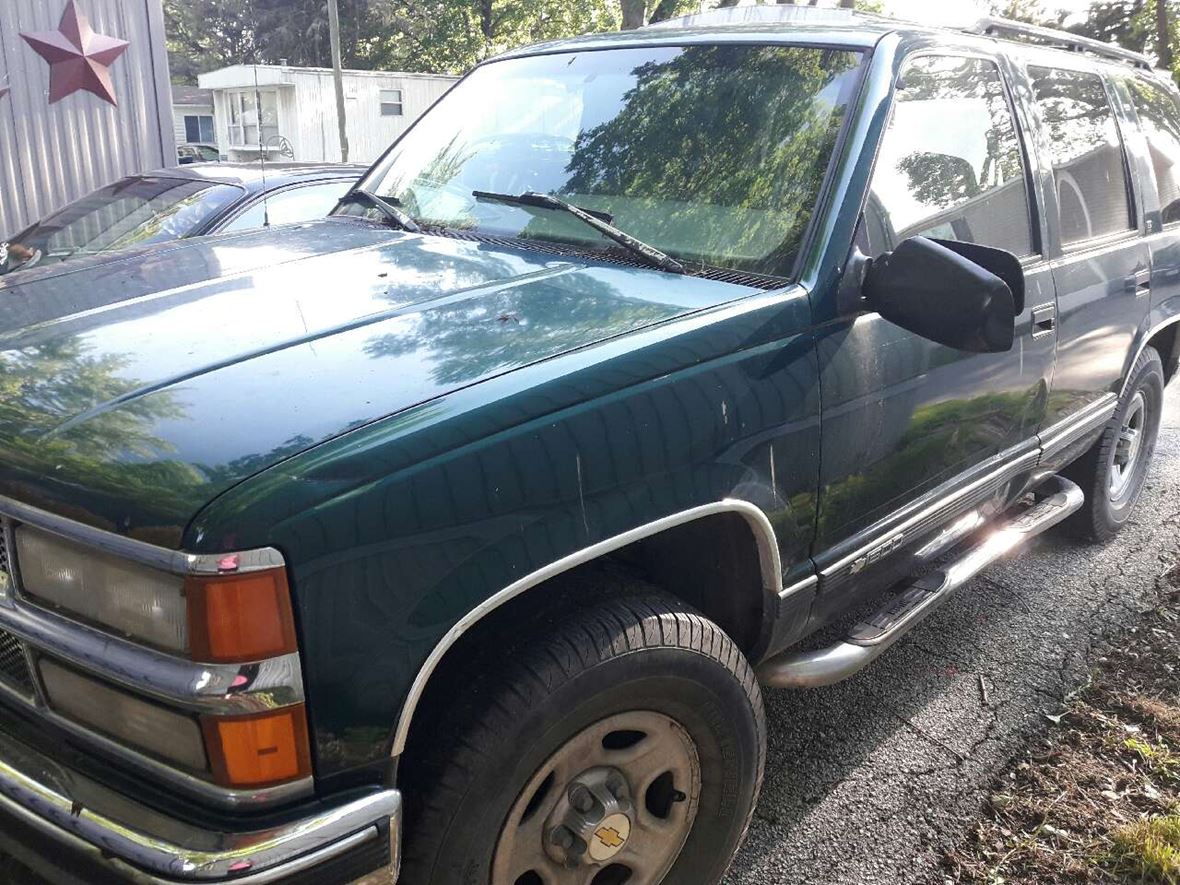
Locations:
(867, 779)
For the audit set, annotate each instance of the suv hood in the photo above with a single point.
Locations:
(133, 393)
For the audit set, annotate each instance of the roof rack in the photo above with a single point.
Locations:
(761, 14)
(1007, 28)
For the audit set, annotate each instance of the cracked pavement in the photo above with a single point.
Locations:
(870, 780)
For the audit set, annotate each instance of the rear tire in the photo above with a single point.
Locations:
(1113, 472)
(517, 772)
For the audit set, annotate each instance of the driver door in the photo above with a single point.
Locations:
(917, 435)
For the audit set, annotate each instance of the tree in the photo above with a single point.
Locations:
(1116, 21)
(1163, 35)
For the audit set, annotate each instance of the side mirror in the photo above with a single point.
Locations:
(937, 293)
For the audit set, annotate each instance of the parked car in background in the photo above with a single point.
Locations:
(460, 529)
(187, 154)
(173, 204)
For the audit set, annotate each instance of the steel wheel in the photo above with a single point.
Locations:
(1127, 447)
(614, 804)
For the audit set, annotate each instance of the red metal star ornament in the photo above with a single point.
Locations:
(79, 59)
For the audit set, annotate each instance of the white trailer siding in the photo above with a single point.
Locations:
(53, 154)
(306, 106)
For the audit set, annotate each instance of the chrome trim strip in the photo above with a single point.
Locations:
(230, 798)
(71, 808)
(1074, 426)
(799, 586)
(1028, 459)
(226, 689)
(175, 561)
(768, 555)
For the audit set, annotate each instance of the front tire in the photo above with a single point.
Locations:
(621, 741)
(1113, 472)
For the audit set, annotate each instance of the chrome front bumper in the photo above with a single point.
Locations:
(92, 822)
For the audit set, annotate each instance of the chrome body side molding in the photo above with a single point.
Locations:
(768, 556)
(1070, 429)
(901, 528)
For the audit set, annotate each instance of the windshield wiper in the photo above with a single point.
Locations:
(650, 254)
(390, 211)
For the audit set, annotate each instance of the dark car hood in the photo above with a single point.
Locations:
(175, 374)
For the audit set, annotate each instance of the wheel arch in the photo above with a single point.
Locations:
(1164, 335)
(769, 569)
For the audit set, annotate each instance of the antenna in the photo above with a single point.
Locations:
(261, 148)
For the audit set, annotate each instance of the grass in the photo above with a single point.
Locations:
(1148, 850)
(1096, 800)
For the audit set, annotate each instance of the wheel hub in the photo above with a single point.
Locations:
(615, 803)
(592, 822)
(1127, 447)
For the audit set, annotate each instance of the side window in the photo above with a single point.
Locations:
(292, 205)
(1087, 154)
(950, 164)
(1158, 109)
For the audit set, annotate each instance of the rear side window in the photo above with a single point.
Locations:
(950, 164)
(1159, 118)
(1088, 167)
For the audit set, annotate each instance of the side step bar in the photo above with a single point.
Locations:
(1056, 499)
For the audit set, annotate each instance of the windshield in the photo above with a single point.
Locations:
(131, 212)
(713, 154)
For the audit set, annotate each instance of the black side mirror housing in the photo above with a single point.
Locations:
(941, 294)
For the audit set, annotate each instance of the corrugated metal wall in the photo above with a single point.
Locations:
(52, 154)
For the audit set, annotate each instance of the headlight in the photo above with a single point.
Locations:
(140, 602)
(230, 617)
(164, 733)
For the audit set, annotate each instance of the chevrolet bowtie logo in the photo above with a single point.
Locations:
(609, 836)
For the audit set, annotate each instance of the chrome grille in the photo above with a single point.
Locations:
(14, 666)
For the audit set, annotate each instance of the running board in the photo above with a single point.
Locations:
(1056, 499)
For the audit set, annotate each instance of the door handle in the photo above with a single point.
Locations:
(1044, 320)
(1139, 282)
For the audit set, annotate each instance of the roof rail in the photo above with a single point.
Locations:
(1014, 30)
(750, 15)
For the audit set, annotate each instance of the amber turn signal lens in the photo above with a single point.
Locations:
(257, 751)
(240, 617)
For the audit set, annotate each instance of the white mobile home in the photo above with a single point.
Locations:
(193, 115)
(290, 112)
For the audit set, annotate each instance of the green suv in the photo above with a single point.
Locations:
(458, 531)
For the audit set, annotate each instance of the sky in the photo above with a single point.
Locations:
(954, 11)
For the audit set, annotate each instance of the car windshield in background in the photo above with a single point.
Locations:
(131, 212)
(713, 154)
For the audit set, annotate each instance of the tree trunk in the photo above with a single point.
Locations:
(1163, 34)
(664, 10)
(633, 13)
